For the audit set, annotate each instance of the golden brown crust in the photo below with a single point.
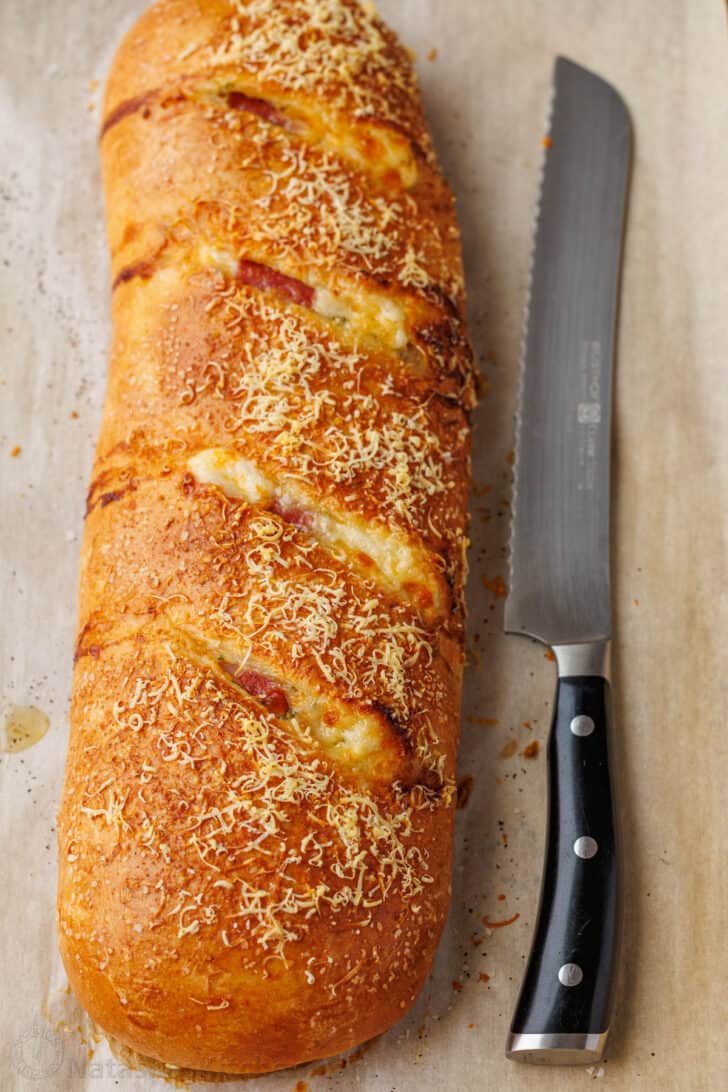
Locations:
(255, 832)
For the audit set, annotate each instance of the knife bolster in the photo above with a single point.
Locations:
(589, 658)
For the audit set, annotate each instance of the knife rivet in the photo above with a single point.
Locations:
(585, 847)
(570, 974)
(582, 726)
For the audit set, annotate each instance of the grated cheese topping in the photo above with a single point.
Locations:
(398, 565)
(262, 877)
(334, 48)
(314, 484)
(321, 412)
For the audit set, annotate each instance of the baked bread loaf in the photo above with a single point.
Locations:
(255, 833)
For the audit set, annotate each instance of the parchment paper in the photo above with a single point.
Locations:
(486, 92)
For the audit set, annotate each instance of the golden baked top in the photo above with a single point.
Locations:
(269, 657)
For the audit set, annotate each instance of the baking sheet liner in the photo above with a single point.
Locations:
(485, 69)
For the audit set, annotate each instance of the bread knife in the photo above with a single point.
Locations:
(559, 585)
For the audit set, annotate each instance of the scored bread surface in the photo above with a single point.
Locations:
(256, 825)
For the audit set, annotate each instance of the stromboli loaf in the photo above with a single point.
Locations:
(255, 832)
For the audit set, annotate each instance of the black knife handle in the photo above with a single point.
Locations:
(564, 1006)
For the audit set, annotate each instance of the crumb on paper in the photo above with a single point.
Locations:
(464, 789)
(509, 749)
(91, 106)
(531, 751)
(15, 451)
(547, 142)
(432, 54)
(636, 602)
(483, 977)
(92, 85)
(496, 586)
(500, 924)
(548, 655)
(74, 415)
(457, 986)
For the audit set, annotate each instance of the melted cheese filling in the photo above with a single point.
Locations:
(374, 149)
(369, 315)
(382, 556)
(355, 740)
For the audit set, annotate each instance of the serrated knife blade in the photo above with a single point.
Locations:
(559, 585)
